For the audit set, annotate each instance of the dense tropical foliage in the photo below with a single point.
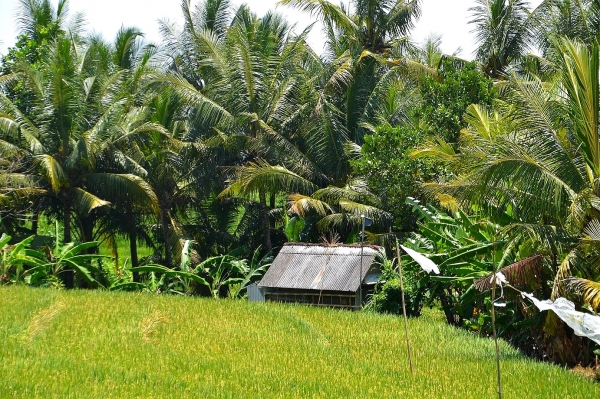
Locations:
(208, 151)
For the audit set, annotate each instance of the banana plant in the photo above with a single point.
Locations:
(215, 273)
(14, 259)
(464, 247)
(120, 278)
(49, 266)
(178, 281)
(257, 267)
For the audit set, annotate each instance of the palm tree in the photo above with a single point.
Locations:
(76, 114)
(503, 33)
(574, 19)
(39, 24)
(249, 66)
(367, 48)
(267, 85)
(374, 25)
(171, 163)
(537, 158)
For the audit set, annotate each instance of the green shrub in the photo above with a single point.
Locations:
(387, 297)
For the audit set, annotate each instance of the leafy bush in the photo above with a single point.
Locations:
(446, 97)
(388, 299)
(387, 296)
(391, 173)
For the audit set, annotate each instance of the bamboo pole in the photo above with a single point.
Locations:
(404, 308)
(494, 277)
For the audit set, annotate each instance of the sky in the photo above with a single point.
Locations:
(448, 18)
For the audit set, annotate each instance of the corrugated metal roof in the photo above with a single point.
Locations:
(320, 267)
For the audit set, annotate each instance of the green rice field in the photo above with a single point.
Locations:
(93, 344)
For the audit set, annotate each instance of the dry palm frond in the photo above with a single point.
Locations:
(333, 239)
(563, 272)
(524, 273)
(590, 291)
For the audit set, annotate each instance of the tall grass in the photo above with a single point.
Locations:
(98, 344)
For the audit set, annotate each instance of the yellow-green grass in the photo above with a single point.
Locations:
(118, 345)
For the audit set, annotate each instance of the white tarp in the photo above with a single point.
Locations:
(583, 324)
(427, 264)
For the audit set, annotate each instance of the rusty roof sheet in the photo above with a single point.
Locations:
(319, 267)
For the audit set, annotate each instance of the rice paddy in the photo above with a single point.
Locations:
(93, 344)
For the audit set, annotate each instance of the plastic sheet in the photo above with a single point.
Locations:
(426, 264)
(583, 324)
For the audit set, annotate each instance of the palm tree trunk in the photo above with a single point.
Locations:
(87, 228)
(164, 220)
(132, 242)
(67, 223)
(35, 222)
(264, 215)
(272, 204)
(133, 251)
(67, 275)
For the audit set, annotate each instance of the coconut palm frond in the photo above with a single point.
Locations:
(109, 185)
(339, 222)
(592, 231)
(272, 145)
(99, 133)
(10, 150)
(415, 69)
(209, 43)
(303, 205)
(548, 238)
(439, 149)
(580, 209)
(485, 123)
(562, 275)
(256, 176)
(86, 202)
(142, 130)
(8, 127)
(324, 9)
(29, 132)
(341, 77)
(207, 108)
(378, 216)
(8, 78)
(52, 170)
(334, 194)
(589, 290)
(580, 67)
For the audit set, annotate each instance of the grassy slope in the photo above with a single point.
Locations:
(98, 344)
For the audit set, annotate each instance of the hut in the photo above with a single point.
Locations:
(322, 275)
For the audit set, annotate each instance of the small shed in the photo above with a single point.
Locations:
(322, 275)
(254, 293)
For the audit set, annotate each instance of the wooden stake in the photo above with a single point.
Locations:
(404, 307)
